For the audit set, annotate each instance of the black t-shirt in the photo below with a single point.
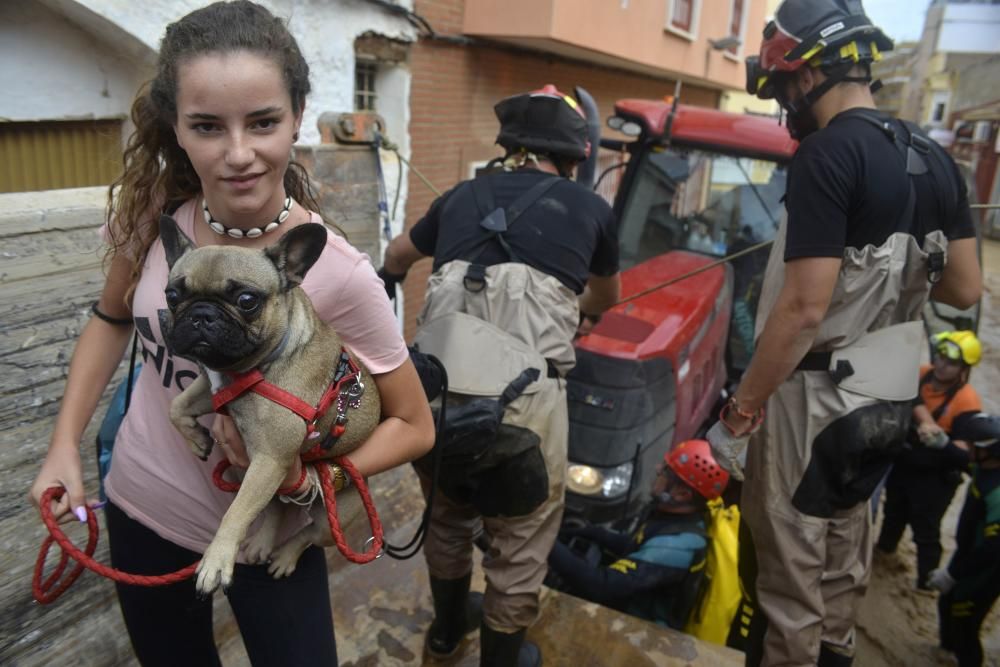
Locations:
(568, 233)
(848, 188)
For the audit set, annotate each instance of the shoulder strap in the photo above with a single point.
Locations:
(914, 150)
(496, 221)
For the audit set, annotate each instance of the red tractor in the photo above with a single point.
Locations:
(694, 185)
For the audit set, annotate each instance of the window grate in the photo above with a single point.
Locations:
(364, 85)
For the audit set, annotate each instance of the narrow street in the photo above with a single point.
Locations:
(898, 624)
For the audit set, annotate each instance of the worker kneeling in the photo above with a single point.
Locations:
(655, 571)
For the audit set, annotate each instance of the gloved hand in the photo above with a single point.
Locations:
(941, 580)
(729, 450)
(390, 280)
(932, 435)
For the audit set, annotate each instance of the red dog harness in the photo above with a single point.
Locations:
(345, 390)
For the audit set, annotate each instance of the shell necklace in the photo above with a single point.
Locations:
(251, 233)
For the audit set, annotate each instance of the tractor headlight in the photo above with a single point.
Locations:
(594, 481)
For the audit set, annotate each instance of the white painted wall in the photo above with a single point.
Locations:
(53, 70)
(970, 28)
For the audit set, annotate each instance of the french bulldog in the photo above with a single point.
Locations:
(232, 310)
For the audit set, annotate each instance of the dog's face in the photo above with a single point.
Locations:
(227, 306)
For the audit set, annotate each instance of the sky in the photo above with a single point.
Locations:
(902, 20)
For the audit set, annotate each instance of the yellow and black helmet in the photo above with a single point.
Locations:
(958, 346)
(818, 33)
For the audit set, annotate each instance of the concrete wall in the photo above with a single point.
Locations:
(978, 84)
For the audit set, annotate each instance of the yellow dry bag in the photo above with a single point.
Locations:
(720, 591)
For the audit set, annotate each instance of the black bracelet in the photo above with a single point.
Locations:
(117, 321)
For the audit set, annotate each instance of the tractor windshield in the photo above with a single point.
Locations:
(698, 201)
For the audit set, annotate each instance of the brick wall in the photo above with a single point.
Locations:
(454, 88)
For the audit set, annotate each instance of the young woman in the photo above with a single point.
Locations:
(212, 145)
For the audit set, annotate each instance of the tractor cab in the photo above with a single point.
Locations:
(693, 186)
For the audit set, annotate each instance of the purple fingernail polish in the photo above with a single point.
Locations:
(99, 506)
(81, 514)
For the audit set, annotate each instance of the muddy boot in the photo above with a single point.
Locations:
(456, 613)
(500, 649)
(831, 657)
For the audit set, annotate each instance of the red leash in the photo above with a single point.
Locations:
(330, 500)
(46, 590)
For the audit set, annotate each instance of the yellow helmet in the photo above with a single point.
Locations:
(958, 345)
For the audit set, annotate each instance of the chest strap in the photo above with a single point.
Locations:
(495, 222)
(345, 389)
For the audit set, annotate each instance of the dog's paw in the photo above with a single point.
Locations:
(215, 569)
(258, 548)
(198, 437)
(284, 560)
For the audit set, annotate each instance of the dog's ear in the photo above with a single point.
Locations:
(175, 242)
(296, 252)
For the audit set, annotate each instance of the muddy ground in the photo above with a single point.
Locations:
(898, 624)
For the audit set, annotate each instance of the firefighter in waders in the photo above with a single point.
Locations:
(524, 258)
(970, 584)
(876, 220)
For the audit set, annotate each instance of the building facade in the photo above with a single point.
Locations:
(956, 35)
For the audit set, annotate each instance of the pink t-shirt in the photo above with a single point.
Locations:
(155, 477)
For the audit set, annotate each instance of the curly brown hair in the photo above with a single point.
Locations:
(157, 173)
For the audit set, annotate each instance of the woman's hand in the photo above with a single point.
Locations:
(62, 468)
(227, 438)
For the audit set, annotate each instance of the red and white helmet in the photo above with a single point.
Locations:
(693, 462)
(820, 33)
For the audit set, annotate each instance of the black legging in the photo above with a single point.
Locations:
(284, 623)
(920, 498)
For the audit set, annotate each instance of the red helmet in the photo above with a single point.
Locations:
(693, 462)
(545, 121)
(822, 33)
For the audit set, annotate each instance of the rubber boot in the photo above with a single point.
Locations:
(501, 649)
(456, 613)
(830, 657)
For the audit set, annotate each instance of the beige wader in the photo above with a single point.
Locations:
(523, 318)
(805, 495)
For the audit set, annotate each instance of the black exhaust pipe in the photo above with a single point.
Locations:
(586, 172)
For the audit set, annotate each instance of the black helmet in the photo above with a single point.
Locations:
(543, 121)
(820, 33)
(980, 429)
